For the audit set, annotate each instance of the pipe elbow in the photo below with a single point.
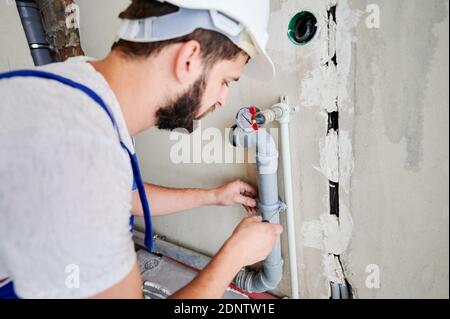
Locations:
(262, 280)
(266, 148)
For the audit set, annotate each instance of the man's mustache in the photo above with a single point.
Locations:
(210, 110)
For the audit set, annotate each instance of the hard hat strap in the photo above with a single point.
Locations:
(184, 22)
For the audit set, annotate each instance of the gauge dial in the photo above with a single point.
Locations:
(245, 119)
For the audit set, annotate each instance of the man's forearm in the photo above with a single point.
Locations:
(212, 281)
(166, 201)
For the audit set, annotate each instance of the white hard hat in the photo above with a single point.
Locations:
(244, 22)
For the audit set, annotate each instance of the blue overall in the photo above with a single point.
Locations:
(7, 291)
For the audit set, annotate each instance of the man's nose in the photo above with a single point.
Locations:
(222, 97)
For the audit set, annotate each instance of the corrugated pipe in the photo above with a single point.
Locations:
(271, 271)
(34, 32)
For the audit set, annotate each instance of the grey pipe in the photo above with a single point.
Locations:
(345, 294)
(339, 291)
(271, 271)
(270, 274)
(335, 290)
(180, 254)
(34, 32)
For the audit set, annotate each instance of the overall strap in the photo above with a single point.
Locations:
(96, 98)
(7, 291)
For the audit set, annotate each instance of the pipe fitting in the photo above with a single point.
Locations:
(273, 208)
(278, 112)
(266, 149)
(264, 279)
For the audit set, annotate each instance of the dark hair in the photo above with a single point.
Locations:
(214, 45)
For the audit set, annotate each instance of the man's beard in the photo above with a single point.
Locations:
(182, 112)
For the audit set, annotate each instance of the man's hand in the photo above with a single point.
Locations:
(166, 201)
(237, 192)
(252, 240)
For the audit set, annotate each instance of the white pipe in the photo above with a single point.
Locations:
(281, 112)
(287, 172)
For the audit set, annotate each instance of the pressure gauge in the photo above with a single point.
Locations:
(245, 119)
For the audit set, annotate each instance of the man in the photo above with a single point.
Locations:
(65, 195)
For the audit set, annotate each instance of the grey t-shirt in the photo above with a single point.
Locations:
(65, 186)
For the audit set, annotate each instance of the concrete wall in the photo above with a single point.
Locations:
(390, 155)
(399, 131)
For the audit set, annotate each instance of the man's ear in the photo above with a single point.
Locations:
(188, 66)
